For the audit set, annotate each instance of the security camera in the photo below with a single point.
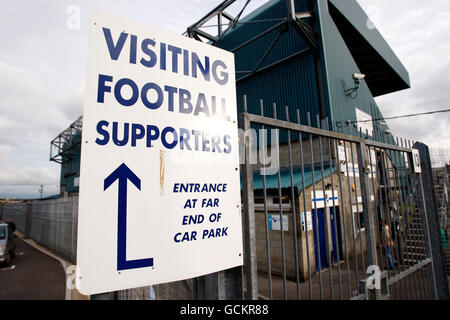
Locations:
(358, 77)
(352, 92)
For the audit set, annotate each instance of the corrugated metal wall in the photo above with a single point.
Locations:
(291, 84)
(294, 83)
(51, 223)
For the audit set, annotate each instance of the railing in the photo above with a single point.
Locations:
(357, 224)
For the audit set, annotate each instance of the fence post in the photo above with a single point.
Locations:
(231, 284)
(432, 234)
(223, 285)
(369, 215)
(249, 223)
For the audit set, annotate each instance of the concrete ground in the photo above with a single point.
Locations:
(34, 270)
(312, 289)
(411, 288)
(32, 275)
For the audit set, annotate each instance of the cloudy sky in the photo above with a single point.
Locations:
(43, 62)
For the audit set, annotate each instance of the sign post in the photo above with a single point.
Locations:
(159, 179)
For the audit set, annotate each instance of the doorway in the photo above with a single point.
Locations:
(319, 239)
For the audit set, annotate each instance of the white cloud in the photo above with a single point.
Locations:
(30, 117)
(422, 44)
(27, 176)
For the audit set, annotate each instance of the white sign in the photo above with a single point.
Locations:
(159, 185)
(274, 222)
(342, 153)
(365, 122)
(416, 161)
(318, 199)
(372, 164)
(372, 157)
(353, 169)
(307, 221)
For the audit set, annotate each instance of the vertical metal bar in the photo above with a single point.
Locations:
(427, 290)
(367, 207)
(280, 197)
(391, 200)
(343, 219)
(357, 206)
(250, 259)
(266, 216)
(349, 188)
(375, 204)
(374, 189)
(300, 140)
(230, 284)
(394, 235)
(413, 209)
(338, 257)
(386, 212)
(432, 234)
(294, 211)
(394, 199)
(427, 237)
(420, 233)
(405, 215)
(401, 230)
(411, 213)
(398, 201)
(311, 153)
(420, 236)
(422, 293)
(325, 214)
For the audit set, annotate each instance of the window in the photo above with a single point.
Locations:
(284, 200)
(273, 201)
(259, 200)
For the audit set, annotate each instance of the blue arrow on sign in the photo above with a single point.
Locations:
(123, 174)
